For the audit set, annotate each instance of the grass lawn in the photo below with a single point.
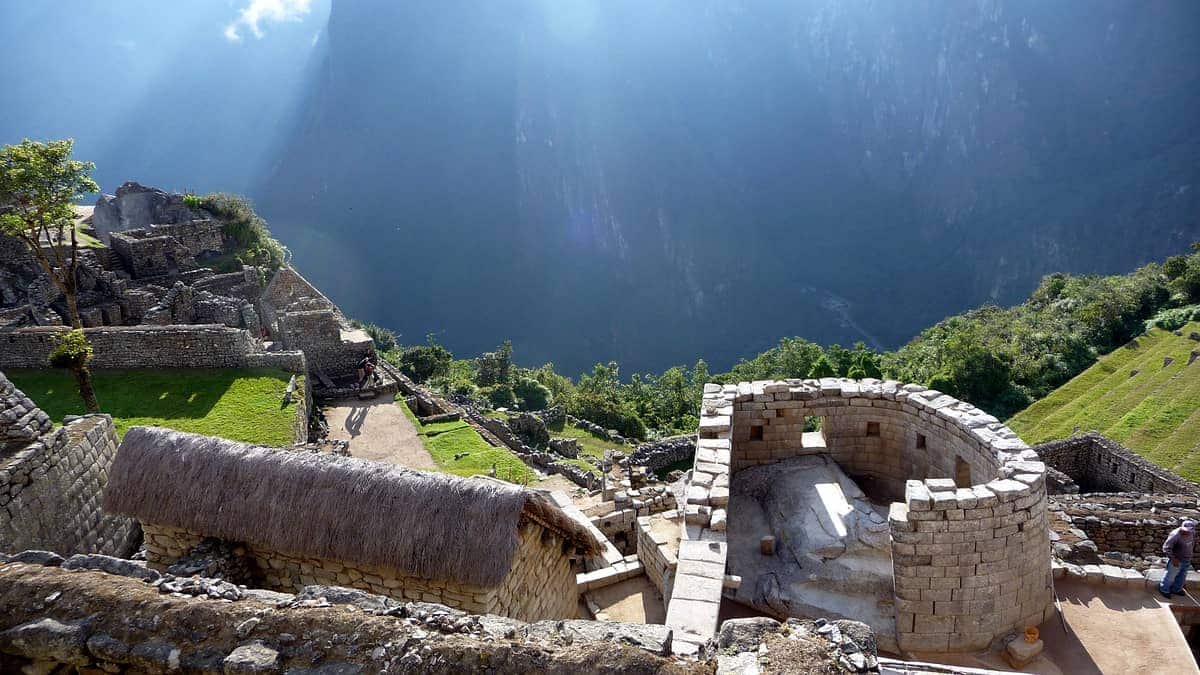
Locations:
(1155, 412)
(589, 445)
(444, 440)
(241, 405)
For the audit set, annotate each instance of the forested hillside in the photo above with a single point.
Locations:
(647, 182)
(1000, 359)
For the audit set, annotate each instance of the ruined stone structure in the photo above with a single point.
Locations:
(501, 549)
(51, 480)
(165, 250)
(1098, 464)
(970, 544)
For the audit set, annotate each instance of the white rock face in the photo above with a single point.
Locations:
(833, 551)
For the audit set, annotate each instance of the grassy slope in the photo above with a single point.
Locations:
(1156, 412)
(591, 446)
(242, 405)
(444, 440)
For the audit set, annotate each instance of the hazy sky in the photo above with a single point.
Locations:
(186, 94)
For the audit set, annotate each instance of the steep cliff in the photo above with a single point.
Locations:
(655, 182)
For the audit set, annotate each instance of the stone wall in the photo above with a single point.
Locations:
(1099, 464)
(540, 585)
(56, 620)
(169, 249)
(1130, 523)
(198, 346)
(50, 492)
(21, 421)
(970, 541)
(658, 552)
(661, 454)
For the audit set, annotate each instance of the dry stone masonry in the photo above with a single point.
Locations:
(970, 544)
(51, 481)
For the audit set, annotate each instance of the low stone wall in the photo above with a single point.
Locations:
(596, 430)
(657, 553)
(1099, 464)
(50, 493)
(540, 585)
(661, 454)
(101, 622)
(189, 346)
(1130, 523)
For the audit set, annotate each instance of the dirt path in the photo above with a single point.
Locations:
(379, 431)
(1111, 631)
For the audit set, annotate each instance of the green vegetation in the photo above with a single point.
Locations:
(39, 184)
(242, 405)
(255, 244)
(1000, 359)
(73, 352)
(1155, 411)
(590, 445)
(447, 440)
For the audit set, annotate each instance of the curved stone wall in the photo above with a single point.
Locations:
(970, 543)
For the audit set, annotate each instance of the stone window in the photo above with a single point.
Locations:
(962, 472)
(921, 443)
(872, 428)
(756, 432)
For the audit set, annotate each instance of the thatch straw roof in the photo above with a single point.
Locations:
(429, 525)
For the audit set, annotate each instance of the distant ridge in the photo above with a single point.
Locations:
(1130, 396)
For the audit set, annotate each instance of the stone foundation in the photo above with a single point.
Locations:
(540, 585)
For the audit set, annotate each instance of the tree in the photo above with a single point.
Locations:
(73, 352)
(39, 182)
(425, 362)
(822, 368)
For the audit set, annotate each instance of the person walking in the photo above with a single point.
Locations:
(1178, 548)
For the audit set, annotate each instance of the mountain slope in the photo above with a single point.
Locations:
(651, 181)
(1133, 398)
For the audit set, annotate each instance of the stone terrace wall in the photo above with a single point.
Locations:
(541, 584)
(21, 421)
(1099, 464)
(196, 346)
(50, 493)
(1130, 522)
(970, 541)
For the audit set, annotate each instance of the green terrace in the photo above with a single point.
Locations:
(458, 449)
(1130, 396)
(241, 405)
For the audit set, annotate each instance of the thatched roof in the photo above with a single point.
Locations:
(429, 525)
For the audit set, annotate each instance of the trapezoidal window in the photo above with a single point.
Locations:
(756, 432)
(921, 442)
(872, 428)
(962, 472)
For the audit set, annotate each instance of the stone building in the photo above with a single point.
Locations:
(965, 498)
(303, 518)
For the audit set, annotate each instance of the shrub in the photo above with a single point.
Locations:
(247, 228)
(71, 350)
(385, 340)
(499, 395)
(608, 414)
(192, 201)
(532, 394)
(425, 362)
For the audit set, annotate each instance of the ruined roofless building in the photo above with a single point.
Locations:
(969, 540)
(303, 518)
